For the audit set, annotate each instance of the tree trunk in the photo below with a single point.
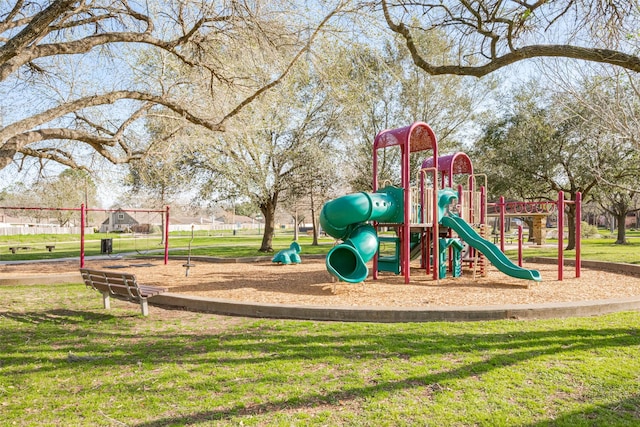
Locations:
(571, 227)
(314, 221)
(296, 230)
(268, 210)
(529, 221)
(622, 231)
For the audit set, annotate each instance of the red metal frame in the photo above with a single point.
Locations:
(503, 208)
(413, 138)
(83, 219)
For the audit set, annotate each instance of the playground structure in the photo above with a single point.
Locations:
(430, 218)
(83, 211)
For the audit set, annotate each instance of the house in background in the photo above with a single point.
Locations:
(118, 221)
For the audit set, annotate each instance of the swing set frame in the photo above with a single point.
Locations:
(83, 221)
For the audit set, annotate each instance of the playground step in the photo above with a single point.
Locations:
(389, 263)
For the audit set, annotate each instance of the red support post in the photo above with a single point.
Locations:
(502, 221)
(83, 216)
(560, 234)
(405, 230)
(436, 231)
(519, 246)
(374, 187)
(578, 202)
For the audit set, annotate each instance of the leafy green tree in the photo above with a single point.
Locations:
(537, 151)
(246, 209)
(619, 203)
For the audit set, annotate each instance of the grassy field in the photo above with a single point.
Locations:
(65, 361)
(219, 245)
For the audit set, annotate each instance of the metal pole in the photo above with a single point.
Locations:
(82, 220)
(406, 226)
(560, 234)
(502, 215)
(578, 232)
(374, 187)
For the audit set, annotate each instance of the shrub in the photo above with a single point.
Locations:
(587, 230)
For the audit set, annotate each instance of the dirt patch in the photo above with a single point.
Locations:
(310, 284)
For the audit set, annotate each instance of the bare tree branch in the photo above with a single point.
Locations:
(508, 38)
(37, 25)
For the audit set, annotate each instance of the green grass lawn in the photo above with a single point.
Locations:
(65, 361)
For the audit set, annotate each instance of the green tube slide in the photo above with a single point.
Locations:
(346, 218)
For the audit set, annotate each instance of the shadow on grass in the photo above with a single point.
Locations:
(121, 341)
(513, 348)
(57, 316)
(625, 412)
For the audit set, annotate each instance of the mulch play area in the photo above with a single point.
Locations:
(310, 284)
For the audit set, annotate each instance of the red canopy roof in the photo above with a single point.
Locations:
(420, 136)
(452, 164)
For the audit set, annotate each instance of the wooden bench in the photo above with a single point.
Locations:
(13, 249)
(123, 286)
(50, 248)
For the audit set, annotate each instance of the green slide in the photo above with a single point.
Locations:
(491, 251)
(346, 218)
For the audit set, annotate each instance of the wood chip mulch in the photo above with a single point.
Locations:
(310, 284)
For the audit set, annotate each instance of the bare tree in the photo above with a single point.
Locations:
(542, 148)
(158, 177)
(274, 149)
(488, 35)
(69, 189)
(607, 100)
(607, 97)
(75, 78)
